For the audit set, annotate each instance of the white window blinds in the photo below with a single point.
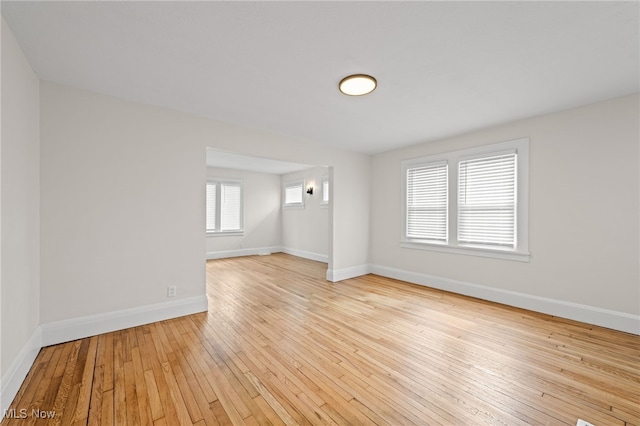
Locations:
(427, 202)
(224, 206)
(211, 206)
(325, 190)
(487, 200)
(293, 194)
(230, 204)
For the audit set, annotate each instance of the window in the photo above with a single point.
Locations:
(487, 200)
(472, 201)
(224, 206)
(294, 194)
(427, 202)
(325, 191)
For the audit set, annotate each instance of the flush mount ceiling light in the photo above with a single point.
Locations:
(357, 85)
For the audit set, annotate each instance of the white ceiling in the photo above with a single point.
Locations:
(443, 68)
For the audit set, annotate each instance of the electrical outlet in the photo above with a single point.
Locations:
(171, 291)
(583, 423)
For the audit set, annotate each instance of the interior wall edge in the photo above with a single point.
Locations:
(335, 275)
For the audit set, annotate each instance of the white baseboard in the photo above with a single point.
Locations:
(78, 328)
(615, 320)
(267, 250)
(335, 275)
(16, 373)
(305, 254)
(242, 252)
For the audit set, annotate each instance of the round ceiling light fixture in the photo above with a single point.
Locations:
(357, 85)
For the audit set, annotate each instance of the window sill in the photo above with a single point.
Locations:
(293, 206)
(468, 250)
(225, 233)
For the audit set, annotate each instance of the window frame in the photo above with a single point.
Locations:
(521, 250)
(325, 186)
(291, 184)
(219, 181)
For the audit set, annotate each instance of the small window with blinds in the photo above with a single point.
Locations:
(325, 191)
(427, 202)
(473, 201)
(224, 206)
(294, 194)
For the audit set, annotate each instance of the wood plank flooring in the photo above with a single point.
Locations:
(280, 345)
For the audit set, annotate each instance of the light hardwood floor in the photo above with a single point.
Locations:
(280, 345)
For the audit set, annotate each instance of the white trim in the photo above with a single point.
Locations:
(305, 254)
(468, 250)
(261, 251)
(225, 233)
(92, 325)
(222, 254)
(19, 368)
(615, 320)
(453, 158)
(335, 275)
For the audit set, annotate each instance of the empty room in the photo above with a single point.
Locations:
(307, 212)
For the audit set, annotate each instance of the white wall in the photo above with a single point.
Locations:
(584, 211)
(305, 232)
(123, 205)
(350, 212)
(20, 191)
(262, 221)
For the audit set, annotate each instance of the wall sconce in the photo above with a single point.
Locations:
(310, 190)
